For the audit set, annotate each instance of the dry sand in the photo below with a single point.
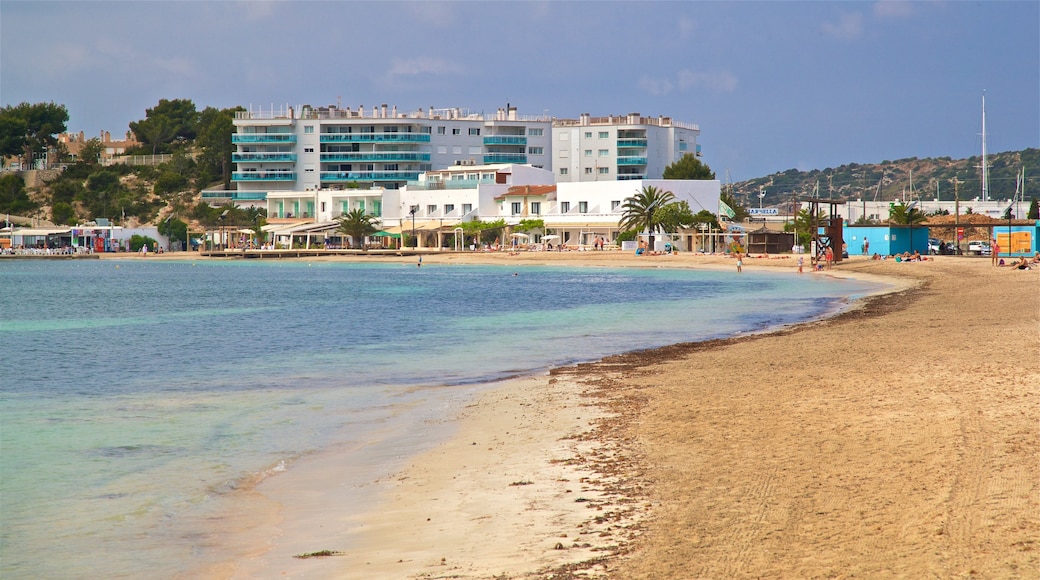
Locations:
(900, 439)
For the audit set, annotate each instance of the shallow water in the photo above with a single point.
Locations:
(137, 395)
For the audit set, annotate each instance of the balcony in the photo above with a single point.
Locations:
(263, 176)
(505, 140)
(391, 157)
(232, 195)
(621, 143)
(505, 158)
(262, 138)
(262, 157)
(630, 176)
(369, 175)
(631, 160)
(375, 138)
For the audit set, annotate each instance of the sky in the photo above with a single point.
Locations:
(772, 85)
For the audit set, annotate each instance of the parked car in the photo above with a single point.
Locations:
(979, 248)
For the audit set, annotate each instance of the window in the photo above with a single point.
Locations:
(368, 167)
(389, 167)
(308, 129)
(449, 207)
(563, 171)
(565, 136)
(474, 150)
(390, 128)
(440, 130)
(535, 150)
(603, 152)
(614, 205)
(604, 134)
(588, 134)
(588, 171)
(323, 207)
(565, 206)
(424, 130)
(474, 131)
(456, 150)
(604, 170)
(583, 207)
(308, 167)
(431, 209)
(442, 149)
(308, 149)
(536, 208)
(588, 153)
(456, 131)
(564, 154)
(535, 132)
(467, 208)
(516, 208)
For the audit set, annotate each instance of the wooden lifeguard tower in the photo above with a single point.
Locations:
(826, 227)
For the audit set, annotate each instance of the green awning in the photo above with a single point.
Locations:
(385, 234)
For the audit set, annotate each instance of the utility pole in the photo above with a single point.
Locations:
(957, 213)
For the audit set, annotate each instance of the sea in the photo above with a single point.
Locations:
(138, 397)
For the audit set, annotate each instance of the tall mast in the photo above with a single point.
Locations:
(985, 176)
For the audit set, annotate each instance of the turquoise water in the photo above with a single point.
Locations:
(138, 396)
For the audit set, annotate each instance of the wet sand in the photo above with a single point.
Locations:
(900, 438)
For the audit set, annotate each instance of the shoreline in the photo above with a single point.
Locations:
(474, 510)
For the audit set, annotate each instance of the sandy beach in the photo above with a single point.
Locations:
(899, 439)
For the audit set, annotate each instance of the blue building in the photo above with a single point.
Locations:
(886, 239)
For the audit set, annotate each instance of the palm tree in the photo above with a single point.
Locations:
(642, 211)
(357, 224)
(905, 215)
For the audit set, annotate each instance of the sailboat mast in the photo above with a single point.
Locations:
(985, 175)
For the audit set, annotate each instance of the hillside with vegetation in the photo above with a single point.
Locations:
(930, 178)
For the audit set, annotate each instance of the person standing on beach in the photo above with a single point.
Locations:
(740, 263)
(829, 256)
(801, 262)
(866, 247)
(994, 257)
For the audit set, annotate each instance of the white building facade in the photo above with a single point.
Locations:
(307, 148)
(630, 147)
(331, 148)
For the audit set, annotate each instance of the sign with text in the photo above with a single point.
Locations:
(763, 211)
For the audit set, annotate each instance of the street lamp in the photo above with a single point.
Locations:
(415, 240)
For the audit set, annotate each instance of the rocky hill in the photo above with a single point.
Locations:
(888, 180)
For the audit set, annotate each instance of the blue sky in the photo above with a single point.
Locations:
(773, 85)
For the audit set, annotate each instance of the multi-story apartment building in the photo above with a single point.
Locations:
(334, 148)
(619, 148)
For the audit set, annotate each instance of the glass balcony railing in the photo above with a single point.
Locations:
(391, 157)
(505, 140)
(375, 138)
(262, 157)
(505, 158)
(631, 143)
(631, 160)
(262, 138)
(369, 175)
(263, 176)
(235, 195)
(630, 176)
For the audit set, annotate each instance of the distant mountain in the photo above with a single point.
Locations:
(861, 181)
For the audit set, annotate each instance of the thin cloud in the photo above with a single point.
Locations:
(403, 68)
(893, 9)
(848, 27)
(656, 87)
(718, 81)
(721, 81)
(687, 26)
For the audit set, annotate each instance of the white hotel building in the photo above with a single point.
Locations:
(432, 170)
